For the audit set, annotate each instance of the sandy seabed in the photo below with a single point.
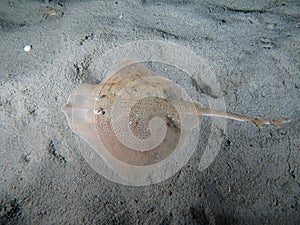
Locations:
(253, 50)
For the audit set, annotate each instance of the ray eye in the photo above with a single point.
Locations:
(100, 111)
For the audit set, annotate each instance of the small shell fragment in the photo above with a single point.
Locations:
(27, 48)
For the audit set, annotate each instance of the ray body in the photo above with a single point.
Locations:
(137, 118)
